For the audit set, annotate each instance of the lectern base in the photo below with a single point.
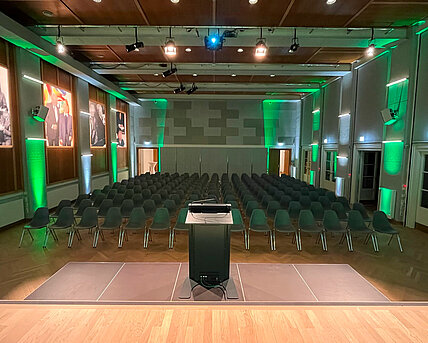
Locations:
(228, 287)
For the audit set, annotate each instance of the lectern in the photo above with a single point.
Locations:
(209, 250)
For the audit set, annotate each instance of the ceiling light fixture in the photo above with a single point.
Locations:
(233, 75)
(253, 2)
(188, 50)
(170, 48)
(261, 47)
(179, 89)
(294, 43)
(194, 75)
(156, 74)
(240, 50)
(214, 41)
(97, 1)
(331, 2)
(135, 46)
(272, 75)
(371, 48)
(192, 90)
(169, 72)
(60, 47)
(47, 13)
(175, 1)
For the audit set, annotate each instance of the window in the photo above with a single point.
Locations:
(330, 166)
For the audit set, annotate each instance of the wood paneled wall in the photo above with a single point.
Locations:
(99, 159)
(10, 157)
(122, 152)
(61, 161)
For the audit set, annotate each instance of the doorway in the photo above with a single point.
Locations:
(422, 205)
(306, 165)
(279, 161)
(369, 173)
(147, 160)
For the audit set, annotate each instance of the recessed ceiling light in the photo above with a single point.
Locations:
(330, 2)
(240, 50)
(233, 75)
(175, 1)
(100, 56)
(194, 75)
(47, 13)
(272, 75)
(188, 50)
(156, 74)
(97, 1)
(252, 2)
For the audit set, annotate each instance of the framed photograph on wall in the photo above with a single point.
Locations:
(121, 129)
(5, 120)
(59, 121)
(97, 123)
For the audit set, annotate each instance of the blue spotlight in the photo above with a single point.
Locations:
(214, 41)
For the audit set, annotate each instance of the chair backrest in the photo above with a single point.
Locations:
(157, 199)
(340, 211)
(113, 218)
(65, 217)
(61, 205)
(106, 189)
(146, 193)
(356, 221)
(128, 194)
(84, 204)
(137, 189)
(305, 201)
(164, 194)
(40, 217)
(175, 197)
(137, 218)
(79, 199)
(233, 204)
(170, 206)
(111, 194)
(285, 201)
(295, 195)
(118, 199)
(344, 202)
(116, 185)
(89, 218)
(317, 210)
(331, 220)
(360, 208)
(149, 207)
(258, 217)
(182, 215)
(272, 207)
(313, 196)
(330, 195)
(325, 202)
(94, 194)
(380, 221)
(105, 206)
(282, 218)
(127, 207)
(121, 189)
(138, 200)
(229, 197)
(99, 199)
(161, 216)
(251, 206)
(306, 219)
(294, 209)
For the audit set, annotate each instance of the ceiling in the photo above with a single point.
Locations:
(331, 37)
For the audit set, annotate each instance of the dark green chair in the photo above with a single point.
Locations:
(126, 208)
(111, 194)
(272, 207)
(258, 223)
(146, 194)
(180, 225)
(112, 221)
(128, 194)
(313, 195)
(160, 222)
(64, 221)
(251, 206)
(149, 207)
(138, 200)
(318, 211)
(344, 202)
(360, 208)
(331, 196)
(118, 200)
(325, 202)
(137, 221)
(170, 205)
(79, 199)
(104, 207)
(61, 205)
(285, 201)
(282, 223)
(382, 225)
(307, 224)
(157, 199)
(332, 224)
(88, 221)
(40, 221)
(305, 202)
(238, 225)
(294, 209)
(356, 224)
(98, 200)
(340, 211)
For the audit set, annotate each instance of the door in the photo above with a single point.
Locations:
(284, 161)
(422, 208)
(369, 177)
(330, 167)
(274, 162)
(147, 160)
(307, 160)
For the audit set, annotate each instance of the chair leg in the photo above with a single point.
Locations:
(146, 239)
(22, 237)
(248, 240)
(300, 240)
(296, 239)
(245, 239)
(171, 239)
(29, 232)
(55, 237)
(342, 238)
(70, 239)
(119, 243)
(390, 239)
(374, 242)
(96, 234)
(350, 242)
(325, 240)
(399, 243)
(46, 237)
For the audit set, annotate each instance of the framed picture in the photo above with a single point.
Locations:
(5, 120)
(97, 124)
(59, 120)
(121, 129)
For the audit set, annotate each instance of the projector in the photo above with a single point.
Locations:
(214, 42)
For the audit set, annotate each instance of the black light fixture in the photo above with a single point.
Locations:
(371, 48)
(170, 71)
(294, 43)
(192, 90)
(179, 89)
(60, 47)
(135, 46)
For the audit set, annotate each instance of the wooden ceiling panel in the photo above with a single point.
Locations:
(148, 54)
(93, 53)
(310, 13)
(31, 12)
(110, 12)
(128, 78)
(240, 12)
(164, 12)
(307, 79)
(337, 55)
(381, 14)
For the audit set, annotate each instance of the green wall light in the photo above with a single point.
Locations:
(393, 157)
(114, 161)
(36, 165)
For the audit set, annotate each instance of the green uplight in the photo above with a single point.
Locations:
(36, 166)
(312, 180)
(267, 160)
(315, 149)
(114, 161)
(393, 157)
(161, 106)
(271, 112)
(316, 121)
(38, 119)
(386, 198)
(422, 31)
(419, 23)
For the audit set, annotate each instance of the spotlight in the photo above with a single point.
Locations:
(331, 2)
(214, 41)
(60, 47)
(175, 1)
(179, 89)
(192, 90)
(240, 50)
(195, 75)
(294, 43)
(170, 48)
(135, 46)
(188, 50)
(261, 47)
(169, 72)
(371, 48)
(252, 2)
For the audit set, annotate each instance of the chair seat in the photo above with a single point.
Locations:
(285, 228)
(364, 230)
(57, 227)
(133, 227)
(84, 227)
(34, 227)
(236, 228)
(159, 227)
(387, 230)
(261, 228)
(312, 228)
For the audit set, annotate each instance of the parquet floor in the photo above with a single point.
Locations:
(71, 323)
(401, 277)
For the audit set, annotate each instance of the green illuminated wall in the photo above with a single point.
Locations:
(36, 173)
(393, 157)
(386, 199)
(315, 149)
(114, 161)
(271, 112)
(161, 105)
(397, 101)
(312, 180)
(316, 121)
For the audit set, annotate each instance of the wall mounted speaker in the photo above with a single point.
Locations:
(39, 113)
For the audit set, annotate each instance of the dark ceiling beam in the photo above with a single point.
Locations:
(72, 13)
(141, 11)
(362, 9)
(287, 11)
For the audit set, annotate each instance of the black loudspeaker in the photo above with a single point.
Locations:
(39, 113)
